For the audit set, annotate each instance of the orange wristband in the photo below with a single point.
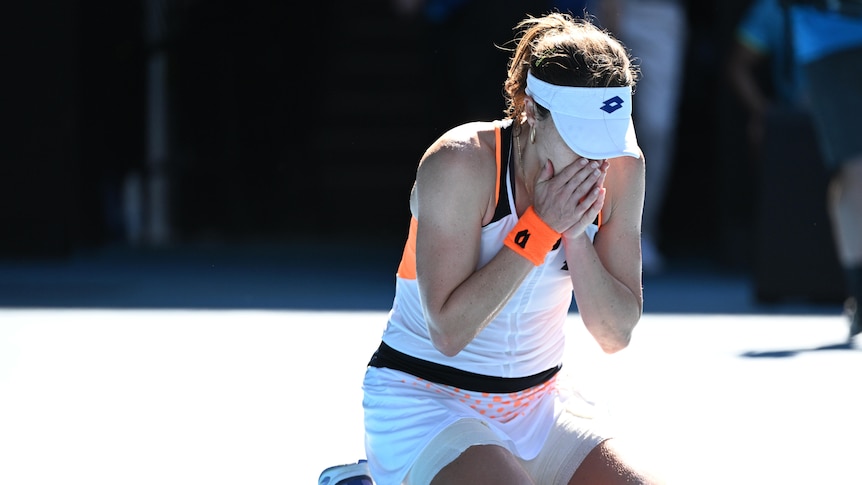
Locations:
(531, 237)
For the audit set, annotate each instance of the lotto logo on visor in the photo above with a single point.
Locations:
(613, 104)
(595, 123)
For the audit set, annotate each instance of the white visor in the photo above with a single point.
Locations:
(595, 123)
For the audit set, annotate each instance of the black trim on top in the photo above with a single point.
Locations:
(502, 210)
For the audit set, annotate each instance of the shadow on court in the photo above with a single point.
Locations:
(783, 353)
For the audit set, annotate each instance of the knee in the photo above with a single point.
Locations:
(610, 463)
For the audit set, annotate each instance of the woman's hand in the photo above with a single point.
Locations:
(570, 200)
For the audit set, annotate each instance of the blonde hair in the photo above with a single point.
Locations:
(567, 51)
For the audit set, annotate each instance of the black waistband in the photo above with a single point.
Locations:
(386, 356)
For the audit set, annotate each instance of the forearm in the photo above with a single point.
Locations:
(609, 308)
(472, 305)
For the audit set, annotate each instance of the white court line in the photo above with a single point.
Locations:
(241, 397)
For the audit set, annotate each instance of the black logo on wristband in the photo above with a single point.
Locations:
(522, 237)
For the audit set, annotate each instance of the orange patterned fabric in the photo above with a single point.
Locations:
(499, 407)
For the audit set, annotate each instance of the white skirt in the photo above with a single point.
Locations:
(404, 413)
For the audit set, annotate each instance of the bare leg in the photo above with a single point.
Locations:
(608, 465)
(845, 209)
(483, 464)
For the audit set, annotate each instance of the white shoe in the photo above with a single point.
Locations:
(653, 261)
(350, 474)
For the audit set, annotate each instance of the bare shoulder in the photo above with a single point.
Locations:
(460, 165)
(470, 143)
(625, 185)
(625, 167)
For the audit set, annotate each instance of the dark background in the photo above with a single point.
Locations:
(285, 124)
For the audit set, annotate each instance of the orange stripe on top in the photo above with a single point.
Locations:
(407, 267)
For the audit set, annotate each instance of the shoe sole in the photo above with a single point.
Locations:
(349, 474)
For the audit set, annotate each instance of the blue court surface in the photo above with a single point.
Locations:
(208, 365)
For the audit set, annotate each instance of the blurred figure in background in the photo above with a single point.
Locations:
(816, 51)
(785, 171)
(656, 31)
(827, 45)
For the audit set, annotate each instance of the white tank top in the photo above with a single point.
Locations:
(527, 336)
